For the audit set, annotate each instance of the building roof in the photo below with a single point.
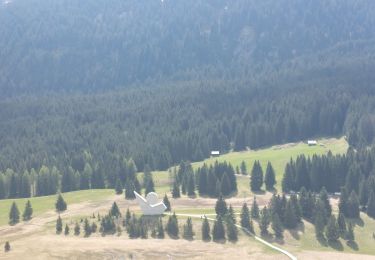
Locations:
(215, 152)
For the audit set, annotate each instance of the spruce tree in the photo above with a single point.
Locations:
(14, 214)
(94, 227)
(28, 212)
(343, 202)
(191, 185)
(245, 217)
(256, 179)
(172, 226)
(77, 229)
(7, 246)
(127, 217)
(129, 189)
(160, 231)
(353, 205)
(206, 230)
(66, 230)
(225, 186)
(218, 231)
(277, 226)
(232, 231)
(243, 168)
(255, 209)
(269, 178)
(331, 231)
(87, 228)
(264, 221)
(60, 204)
(323, 196)
(59, 225)
(363, 193)
(320, 217)
(221, 207)
(176, 190)
(167, 203)
(350, 233)
(231, 215)
(115, 211)
(118, 187)
(371, 204)
(341, 225)
(188, 230)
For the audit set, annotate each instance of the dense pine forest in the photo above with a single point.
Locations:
(94, 92)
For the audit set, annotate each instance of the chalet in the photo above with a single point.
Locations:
(215, 153)
(312, 142)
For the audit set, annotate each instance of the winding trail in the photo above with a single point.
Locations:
(288, 254)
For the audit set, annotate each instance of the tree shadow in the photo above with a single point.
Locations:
(337, 245)
(358, 222)
(322, 241)
(295, 232)
(221, 241)
(353, 245)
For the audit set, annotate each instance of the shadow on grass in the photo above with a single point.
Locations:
(353, 245)
(337, 245)
(259, 192)
(221, 241)
(322, 241)
(358, 222)
(295, 233)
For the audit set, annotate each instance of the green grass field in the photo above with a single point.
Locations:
(46, 203)
(278, 155)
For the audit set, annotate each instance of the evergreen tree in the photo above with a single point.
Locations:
(59, 225)
(243, 168)
(149, 185)
(343, 202)
(221, 207)
(66, 230)
(172, 226)
(341, 225)
(118, 187)
(127, 217)
(255, 209)
(94, 227)
(320, 219)
(350, 234)
(202, 181)
(87, 228)
(115, 211)
(188, 230)
(323, 196)
(353, 206)
(7, 246)
(167, 203)
(225, 186)
(176, 190)
(232, 231)
(97, 180)
(60, 204)
(14, 214)
(206, 230)
(129, 189)
(28, 212)
(363, 193)
(371, 204)
(218, 231)
(160, 231)
(230, 215)
(245, 217)
(269, 178)
(77, 229)
(191, 185)
(256, 179)
(264, 221)
(331, 232)
(306, 202)
(277, 226)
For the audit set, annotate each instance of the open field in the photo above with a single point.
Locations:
(46, 203)
(278, 155)
(81, 204)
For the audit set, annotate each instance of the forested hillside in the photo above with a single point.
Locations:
(70, 45)
(87, 88)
